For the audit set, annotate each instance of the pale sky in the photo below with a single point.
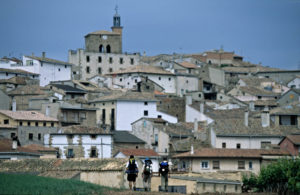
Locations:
(266, 31)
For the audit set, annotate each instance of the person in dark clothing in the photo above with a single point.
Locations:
(164, 173)
(132, 170)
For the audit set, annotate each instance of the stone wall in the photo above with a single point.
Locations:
(174, 106)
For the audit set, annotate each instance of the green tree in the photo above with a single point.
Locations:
(280, 176)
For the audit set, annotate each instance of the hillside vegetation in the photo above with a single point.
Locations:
(29, 184)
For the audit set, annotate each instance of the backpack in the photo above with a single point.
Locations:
(132, 166)
(147, 168)
(164, 167)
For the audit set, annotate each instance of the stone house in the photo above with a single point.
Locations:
(48, 69)
(248, 130)
(186, 83)
(283, 76)
(31, 126)
(7, 73)
(66, 92)
(294, 83)
(102, 54)
(9, 149)
(130, 77)
(293, 95)
(291, 143)
(71, 112)
(126, 140)
(81, 142)
(112, 110)
(17, 81)
(172, 105)
(185, 67)
(288, 115)
(222, 160)
(23, 94)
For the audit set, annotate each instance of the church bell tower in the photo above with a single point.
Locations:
(117, 23)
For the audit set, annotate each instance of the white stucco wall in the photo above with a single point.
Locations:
(130, 111)
(295, 82)
(103, 143)
(191, 114)
(185, 84)
(246, 142)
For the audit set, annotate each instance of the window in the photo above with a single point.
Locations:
(187, 81)
(30, 136)
(169, 79)
(21, 123)
(39, 136)
(121, 79)
(59, 70)
(135, 80)
(241, 164)
(101, 48)
(88, 70)
(250, 165)
(87, 58)
(145, 112)
(203, 186)
(259, 97)
(159, 78)
(65, 66)
(93, 152)
(199, 95)
(204, 165)
(28, 123)
(145, 103)
(121, 60)
(93, 136)
(29, 62)
(236, 188)
(131, 61)
(265, 144)
(69, 136)
(44, 124)
(108, 49)
(238, 146)
(52, 124)
(83, 115)
(36, 124)
(216, 164)
(110, 69)
(166, 150)
(223, 145)
(99, 59)
(99, 71)
(225, 188)
(110, 60)
(158, 116)
(156, 139)
(6, 121)
(70, 153)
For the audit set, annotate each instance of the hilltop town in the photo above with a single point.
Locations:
(212, 114)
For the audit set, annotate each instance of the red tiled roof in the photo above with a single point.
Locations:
(187, 65)
(295, 139)
(27, 115)
(38, 148)
(230, 153)
(138, 152)
(6, 146)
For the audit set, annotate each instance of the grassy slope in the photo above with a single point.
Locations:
(29, 184)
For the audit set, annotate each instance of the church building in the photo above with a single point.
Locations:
(103, 53)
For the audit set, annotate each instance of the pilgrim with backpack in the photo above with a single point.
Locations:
(147, 174)
(132, 171)
(164, 172)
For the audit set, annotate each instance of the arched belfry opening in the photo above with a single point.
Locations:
(108, 49)
(101, 49)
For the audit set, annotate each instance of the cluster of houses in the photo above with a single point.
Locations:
(208, 112)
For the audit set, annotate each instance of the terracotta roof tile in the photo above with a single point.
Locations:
(143, 69)
(295, 139)
(27, 90)
(38, 148)
(79, 129)
(53, 61)
(16, 71)
(6, 146)
(187, 65)
(27, 115)
(230, 153)
(139, 152)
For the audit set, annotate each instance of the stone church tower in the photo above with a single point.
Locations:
(105, 41)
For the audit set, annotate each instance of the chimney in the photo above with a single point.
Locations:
(188, 100)
(265, 117)
(195, 125)
(47, 110)
(202, 107)
(44, 54)
(14, 105)
(246, 118)
(192, 149)
(251, 106)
